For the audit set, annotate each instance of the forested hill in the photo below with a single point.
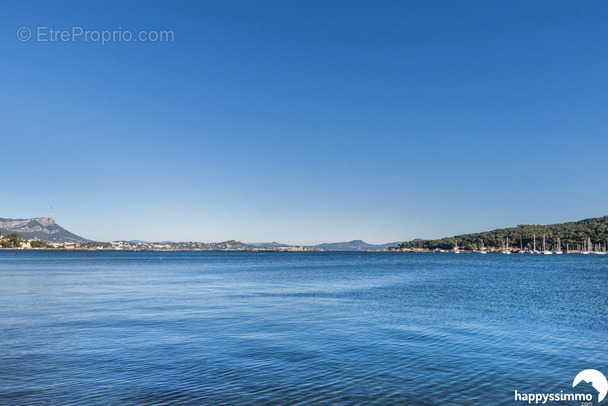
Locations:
(571, 234)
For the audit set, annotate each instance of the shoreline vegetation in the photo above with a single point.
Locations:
(584, 236)
(589, 236)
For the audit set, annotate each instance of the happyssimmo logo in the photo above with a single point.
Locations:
(596, 379)
(592, 376)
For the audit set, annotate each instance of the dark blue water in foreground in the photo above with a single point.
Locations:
(297, 328)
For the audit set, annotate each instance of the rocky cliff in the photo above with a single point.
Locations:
(42, 228)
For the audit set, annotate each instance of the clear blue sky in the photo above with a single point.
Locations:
(305, 121)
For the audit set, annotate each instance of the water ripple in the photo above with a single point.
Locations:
(302, 329)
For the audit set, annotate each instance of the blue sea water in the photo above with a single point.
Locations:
(244, 328)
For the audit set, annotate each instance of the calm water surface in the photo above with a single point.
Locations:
(130, 328)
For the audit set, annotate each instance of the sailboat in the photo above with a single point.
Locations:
(558, 249)
(586, 248)
(507, 250)
(521, 246)
(534, 250)
(545, 251)
(482, 250)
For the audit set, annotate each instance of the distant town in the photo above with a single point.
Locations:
(45, 233)
(14, 241)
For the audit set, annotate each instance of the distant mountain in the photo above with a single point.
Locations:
(268, 244)
(355, 245)
(45, 229)
(41, 228)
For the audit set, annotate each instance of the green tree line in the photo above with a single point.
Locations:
(572, 235)
(14, 241)
(11, 241)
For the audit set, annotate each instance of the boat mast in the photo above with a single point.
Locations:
(544, 243)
